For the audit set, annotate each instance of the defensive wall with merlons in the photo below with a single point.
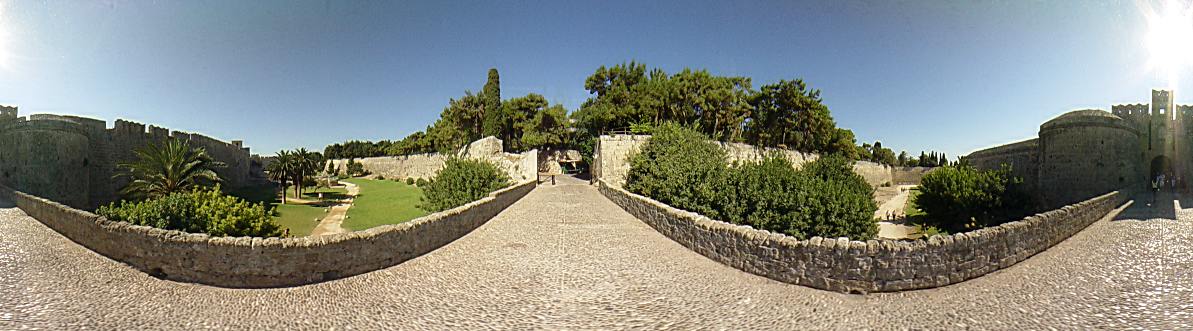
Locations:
(74, 160)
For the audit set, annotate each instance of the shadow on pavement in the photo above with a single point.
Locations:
(1162, 205)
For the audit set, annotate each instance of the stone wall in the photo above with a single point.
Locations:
(1078, 155)
(865, 266)
(520, 167)
(73, 159)
(1022, 157)
(1083, 156)
(263, 262)
(612, 159)
(909, 175)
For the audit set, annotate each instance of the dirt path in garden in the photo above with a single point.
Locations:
(335, 217)
(895, 206)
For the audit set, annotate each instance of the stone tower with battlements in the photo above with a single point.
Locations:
(1085, 153)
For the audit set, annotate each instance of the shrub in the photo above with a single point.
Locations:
(824, 198)
(409, 180)
(203, 210)
(682, 168)
(420, 182)
(679, 167)
(460, 182)
(957, 199)
(380, 177)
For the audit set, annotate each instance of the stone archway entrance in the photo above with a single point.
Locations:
(1160, 165)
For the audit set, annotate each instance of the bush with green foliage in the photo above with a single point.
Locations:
(958, 199)
(462, 181)
(823, 198)
(420, 182)
(409, 180)
(679, 167)
(202, 210)
(682, 168)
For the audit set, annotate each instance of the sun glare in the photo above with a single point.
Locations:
(1170, 38)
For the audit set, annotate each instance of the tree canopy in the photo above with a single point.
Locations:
(784, 114)
(630, 97)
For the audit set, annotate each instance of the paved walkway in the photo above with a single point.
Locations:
(895, 206)
(331, 223)
(566, 258)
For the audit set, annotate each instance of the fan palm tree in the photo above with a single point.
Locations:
(168, 168)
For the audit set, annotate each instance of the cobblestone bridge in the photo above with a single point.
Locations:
(564, 257)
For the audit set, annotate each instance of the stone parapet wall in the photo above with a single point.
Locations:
(520, 167)
(263, 262)
(865, 266)
(612, 159)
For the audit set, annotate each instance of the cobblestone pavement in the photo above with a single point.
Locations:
(566, 258)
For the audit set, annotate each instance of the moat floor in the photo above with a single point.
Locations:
(564, 257)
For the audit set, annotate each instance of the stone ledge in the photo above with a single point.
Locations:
(849, 266)
(246, 262)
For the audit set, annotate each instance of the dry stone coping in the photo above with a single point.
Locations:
(254, 262)
(851, 266)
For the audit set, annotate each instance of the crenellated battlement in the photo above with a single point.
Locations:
(48, 146)
(8, 113)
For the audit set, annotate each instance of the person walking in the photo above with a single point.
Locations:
(1155, 188)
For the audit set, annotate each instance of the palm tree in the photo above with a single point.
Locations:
(281, 170)
(168, 168)
(306, 163)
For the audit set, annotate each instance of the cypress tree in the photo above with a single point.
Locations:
(494, 121)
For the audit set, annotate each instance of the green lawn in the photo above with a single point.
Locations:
(911, 209)
(311, 193)
(299, 218)
(382, 202)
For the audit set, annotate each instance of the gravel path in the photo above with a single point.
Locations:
(566, 258)
(331, 223)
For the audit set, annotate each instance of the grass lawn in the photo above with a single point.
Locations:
(310, 193)
(299, 218)
(382, 202)
(911, 209)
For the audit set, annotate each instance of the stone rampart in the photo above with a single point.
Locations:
(73, 160)
(263, 262)
(520, 167)
(909, 175)
(1022, 157)
(612, 159)
(865, 266)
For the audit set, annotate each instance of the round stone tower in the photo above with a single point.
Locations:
(1084, 153)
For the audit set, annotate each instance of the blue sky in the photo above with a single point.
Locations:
(918, 75)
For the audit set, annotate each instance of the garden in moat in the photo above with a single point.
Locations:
(174, 186)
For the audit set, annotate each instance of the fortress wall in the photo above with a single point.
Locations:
(909, 175)
(74, 160)
(865, 266)
(612, 159)
(1083, 160)
(1023, 157)
(264, 262)
(49, 158)
(520, 167)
